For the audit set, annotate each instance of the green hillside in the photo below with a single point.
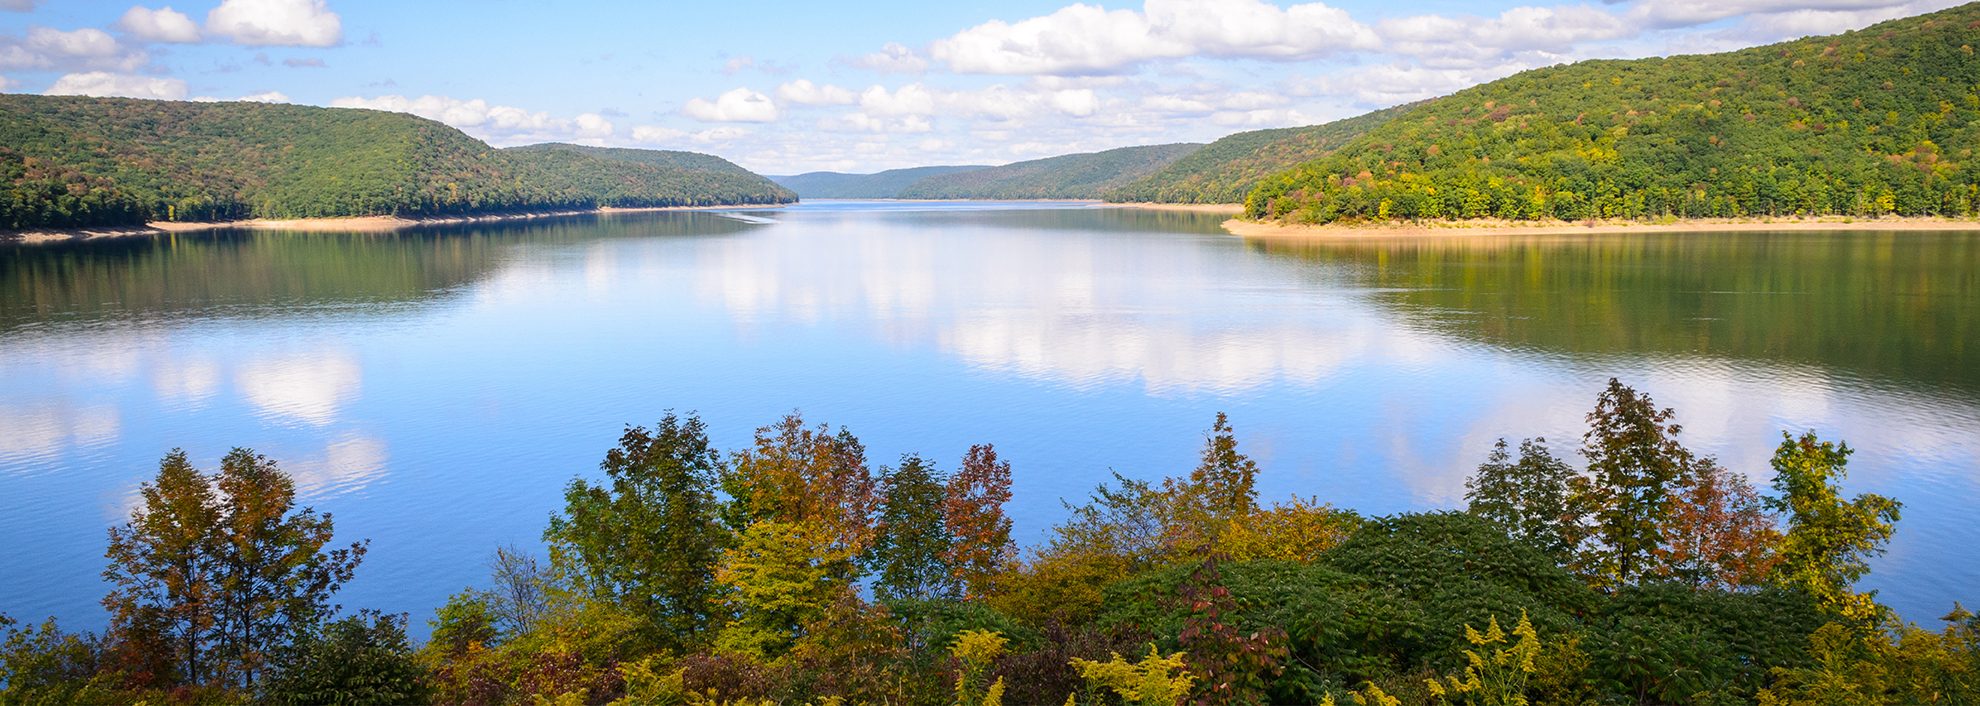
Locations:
(1874, 122)
(1073, 176)
(69, 161)
(659, 158)
(1225, 170)
(878, 185)
(617, 176)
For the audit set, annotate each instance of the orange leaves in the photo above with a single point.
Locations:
(973, 510)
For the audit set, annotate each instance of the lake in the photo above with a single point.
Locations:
(435, 389)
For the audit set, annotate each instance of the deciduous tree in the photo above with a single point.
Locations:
(648, 537)
(973, 510)
(795, 474)
(1528, 497)
(781, 577)
(1721, 534)
(164, 572)
(275, 577)
(1635, 469)
(1829, 540)
(910, 552)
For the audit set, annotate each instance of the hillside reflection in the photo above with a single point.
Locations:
(1884, 308)
(249, 274)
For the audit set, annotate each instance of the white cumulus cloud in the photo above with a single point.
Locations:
(592, 125)
(43, 48)
(804, 92)
(161, 25)
(104, 83)
(499, 124)
(308, 23)
(1089, 39)
(738, 106)
(911, 99)
(1679, 13)
(262, 97)
(1078, 103)
(893, 57)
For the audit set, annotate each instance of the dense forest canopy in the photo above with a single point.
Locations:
(70, 161)
(1875, 122)
(1225, 170)
(878, 185)
(1073, 176)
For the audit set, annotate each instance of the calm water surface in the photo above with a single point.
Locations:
(436, 389)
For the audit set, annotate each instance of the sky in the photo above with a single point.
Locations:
(790, 87)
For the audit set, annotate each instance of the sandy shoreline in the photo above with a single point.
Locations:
(353, 224)
(1452, 229)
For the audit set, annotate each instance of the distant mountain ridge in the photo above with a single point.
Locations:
(71, 161)
(1074, 176)
(878, 185)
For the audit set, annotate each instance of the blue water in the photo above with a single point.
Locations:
(435, 390)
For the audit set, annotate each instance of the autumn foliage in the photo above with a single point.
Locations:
(793, 571)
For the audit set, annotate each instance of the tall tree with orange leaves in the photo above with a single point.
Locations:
(1719, 532)
(973, 509)
(799, 474)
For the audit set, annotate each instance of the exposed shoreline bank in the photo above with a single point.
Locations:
(346, 224)
(1485, 228)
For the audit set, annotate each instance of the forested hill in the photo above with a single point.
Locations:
(1874, 122)
(1073, 176)
(878, 185)
(695, 161)
(1225, 170)
(68, 161)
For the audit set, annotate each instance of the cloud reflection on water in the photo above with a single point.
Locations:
(302, 387)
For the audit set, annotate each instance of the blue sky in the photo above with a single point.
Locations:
(785, 87)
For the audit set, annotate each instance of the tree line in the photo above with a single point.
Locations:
(791, 571)
(72, 161)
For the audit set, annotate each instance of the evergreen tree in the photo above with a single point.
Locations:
(1223, 486)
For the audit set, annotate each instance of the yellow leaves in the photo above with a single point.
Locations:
(995, 696)
(1154, 681)
(1498, 666)
(646, 685)
(1372, 695)
(1297, 529)
(780, 575)
(978, 646)
(977, 650)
